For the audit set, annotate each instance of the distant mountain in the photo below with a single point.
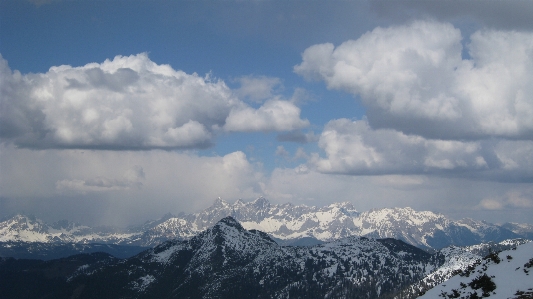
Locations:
(293, 224)
(523, 229)
(507, 274)
(23, 228)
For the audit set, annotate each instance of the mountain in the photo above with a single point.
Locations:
(500, 275)
(293, 224)
(523, 229)
(23, 278)
(50, 251)
(21, 228)
(228, 261)
(458, 259)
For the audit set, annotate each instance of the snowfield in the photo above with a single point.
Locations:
(512, 275)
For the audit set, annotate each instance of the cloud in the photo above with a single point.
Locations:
(512, 199)
(413, 78)
(281, 151)
(129, 102)
(353, 147)
(509, 15)
(258, 88)
(131, 179)
(183, 181)
(300, 154)
(273, 115)
(455, 197)
(120, 187)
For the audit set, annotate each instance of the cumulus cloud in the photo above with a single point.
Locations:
(353, 147)
(273, 115)
(129, 102)
(258, 88)
(413, 78)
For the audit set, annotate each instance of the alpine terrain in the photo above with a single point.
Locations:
(506, 274)
(228, 261)
(288, 224)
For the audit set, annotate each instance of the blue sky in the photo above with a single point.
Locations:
(118, 112)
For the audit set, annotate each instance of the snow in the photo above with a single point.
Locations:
(508, 275)
(284, 221)
(165, 256)
(142, 283)
(326, 217)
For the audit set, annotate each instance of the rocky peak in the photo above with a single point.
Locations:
(261, 203)
(239, 203)
(220, 203)
(230, 221)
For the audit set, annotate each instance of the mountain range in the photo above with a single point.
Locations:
(228, 261)
(286, 223)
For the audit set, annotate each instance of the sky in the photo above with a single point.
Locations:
(117, 112)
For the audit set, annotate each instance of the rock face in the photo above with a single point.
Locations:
(284, 222)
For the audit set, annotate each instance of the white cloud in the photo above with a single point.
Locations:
(281, 151)
(413, 78)
(490, 204)
(300, 154)
(129, 102)
(273, 115)
(258, 88)
(353, 147)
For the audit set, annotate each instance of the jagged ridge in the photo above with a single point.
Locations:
(286, 221)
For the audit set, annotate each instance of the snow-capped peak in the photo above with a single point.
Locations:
(283, 221)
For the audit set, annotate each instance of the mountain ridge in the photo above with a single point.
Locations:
(229, 261)
(286, 222)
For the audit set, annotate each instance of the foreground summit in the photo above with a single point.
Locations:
(228, 261)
